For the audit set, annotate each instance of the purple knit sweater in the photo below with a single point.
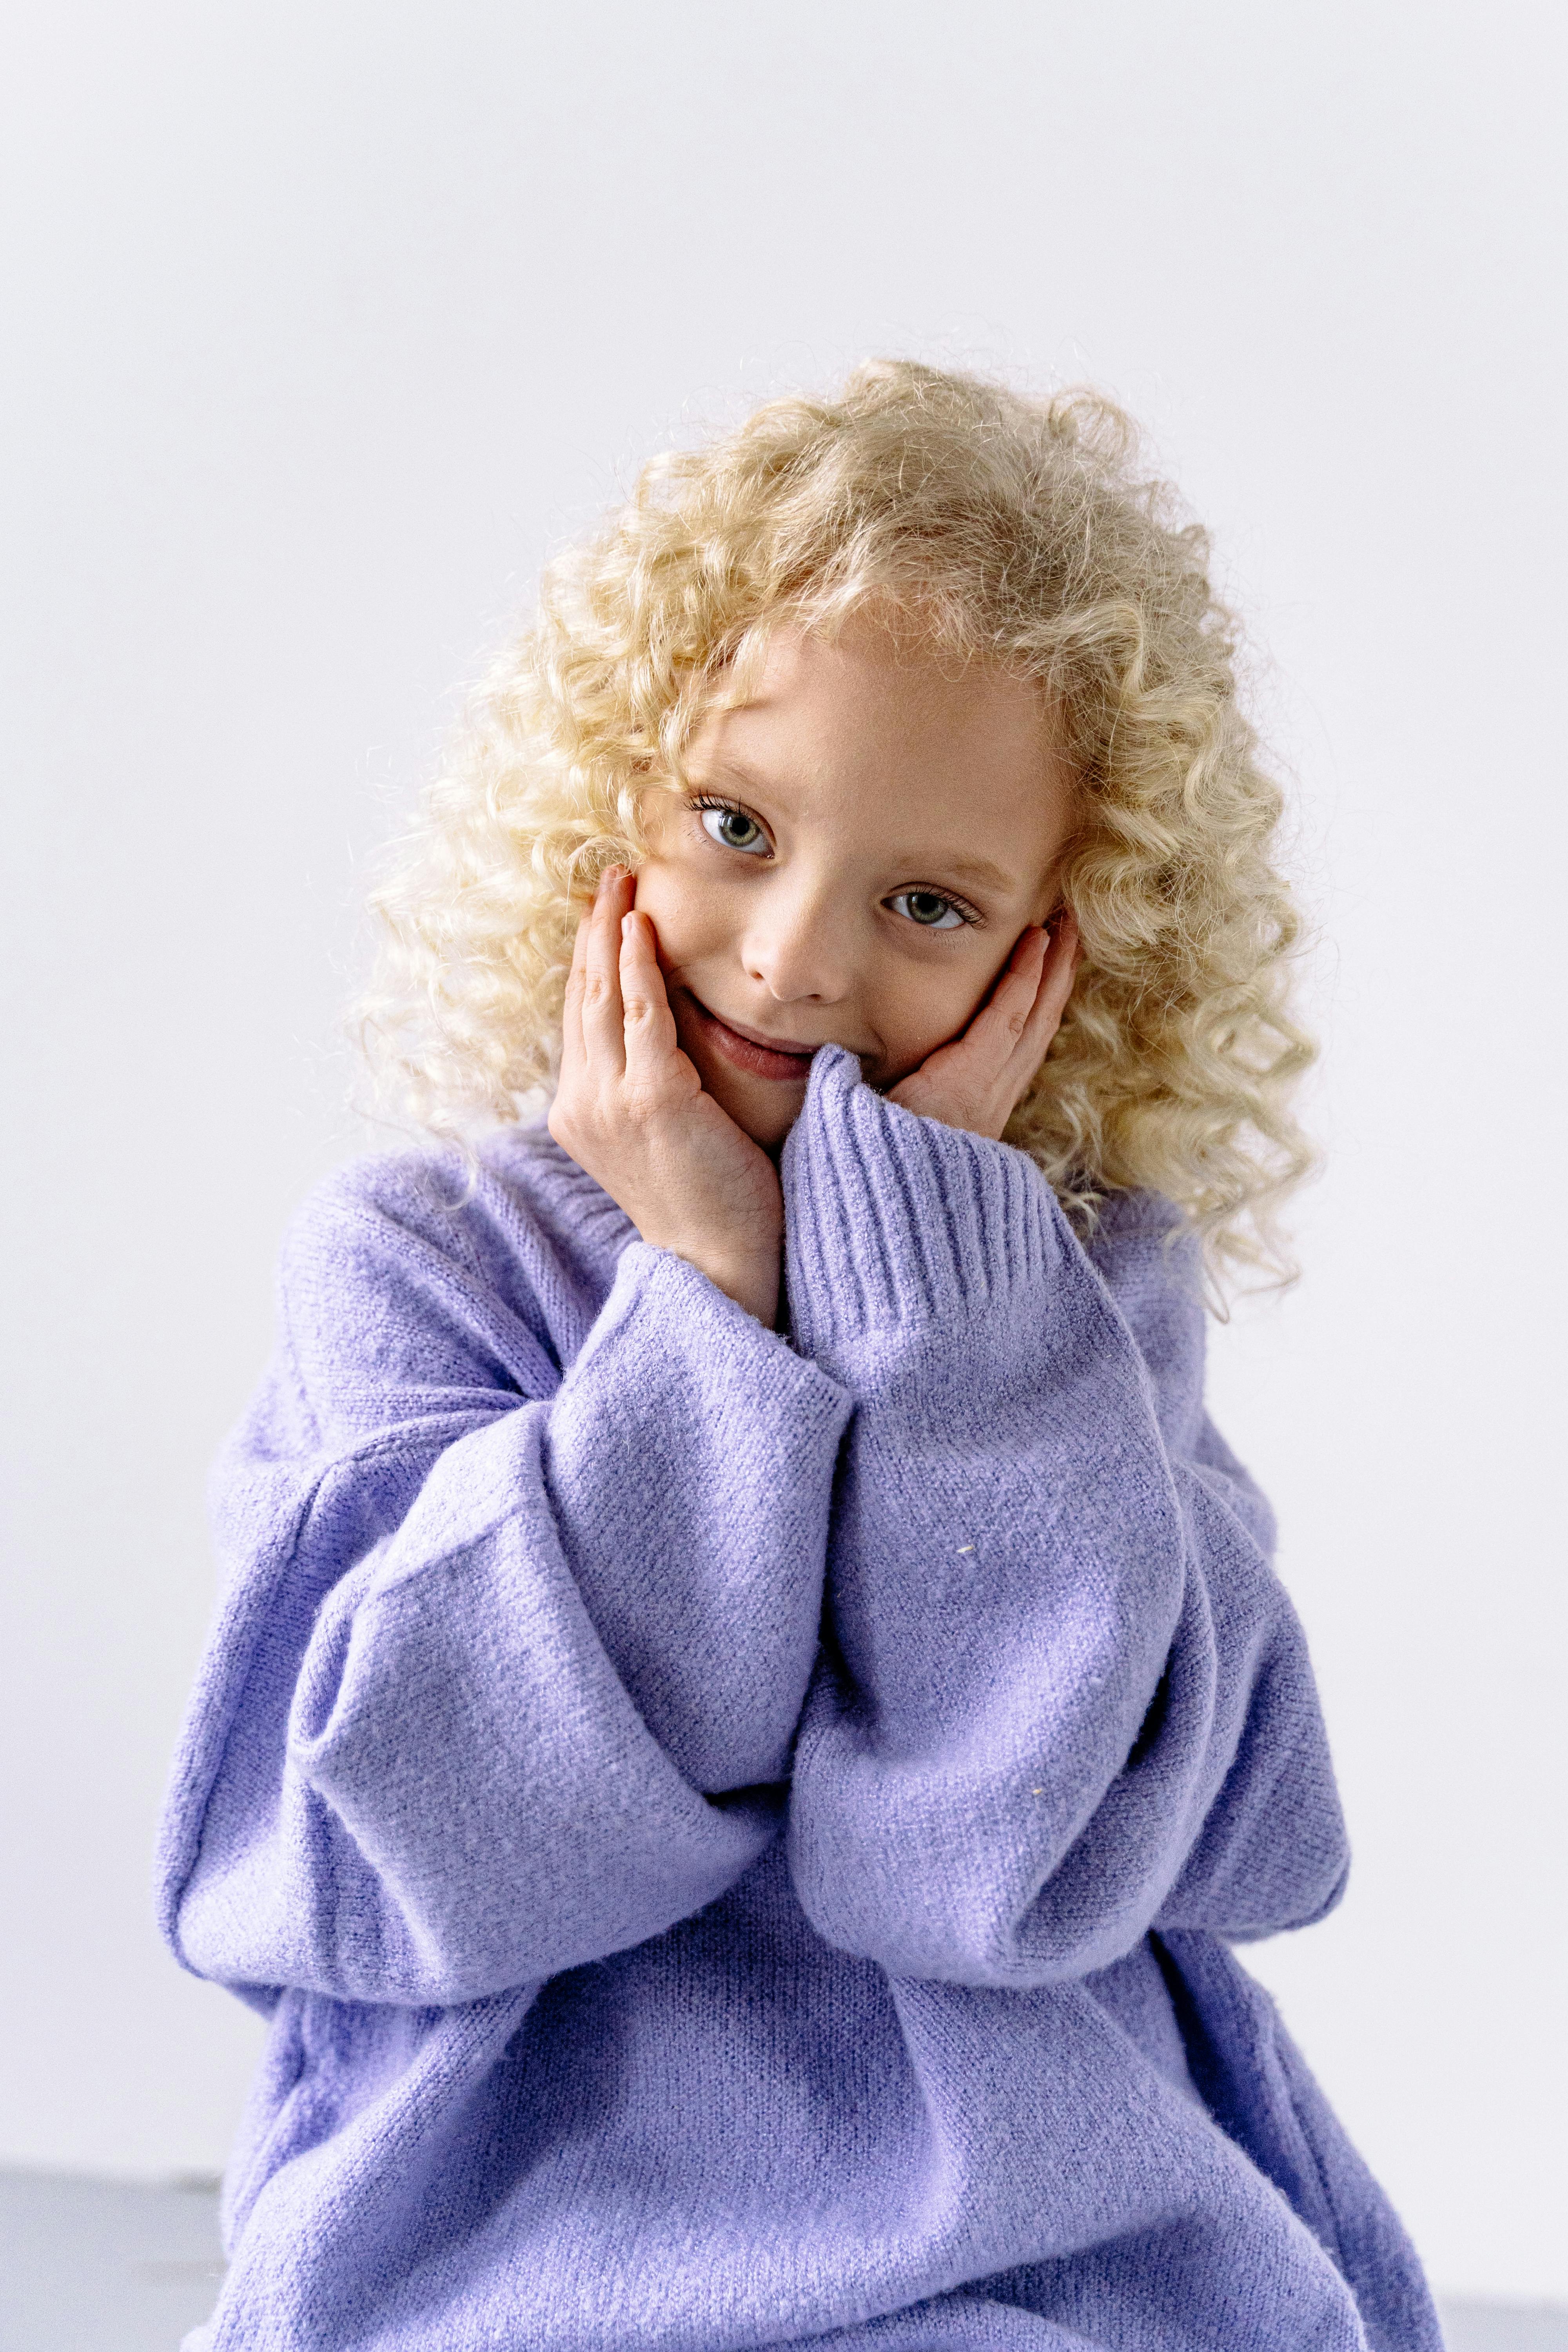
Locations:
(738, 1837)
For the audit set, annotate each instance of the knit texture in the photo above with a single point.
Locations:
(739, 1838)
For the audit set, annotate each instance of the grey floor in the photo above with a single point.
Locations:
(99, 2266)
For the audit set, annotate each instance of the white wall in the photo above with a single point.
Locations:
(323, 323)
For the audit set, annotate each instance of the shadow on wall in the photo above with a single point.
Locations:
(111, 2266)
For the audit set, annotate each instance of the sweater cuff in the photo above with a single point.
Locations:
(683, 1321)
(893, 1219)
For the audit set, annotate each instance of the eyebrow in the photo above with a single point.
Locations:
(978, 871)
(960, 866)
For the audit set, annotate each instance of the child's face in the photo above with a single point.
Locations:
(877, 834)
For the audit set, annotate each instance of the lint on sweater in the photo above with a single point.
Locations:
(740, 1838)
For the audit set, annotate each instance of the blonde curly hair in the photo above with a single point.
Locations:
(1008, 531)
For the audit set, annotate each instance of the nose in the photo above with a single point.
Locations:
(799, 944)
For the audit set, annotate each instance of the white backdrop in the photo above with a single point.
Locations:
(323, 325)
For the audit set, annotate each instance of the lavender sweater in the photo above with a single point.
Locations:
(739, 1839)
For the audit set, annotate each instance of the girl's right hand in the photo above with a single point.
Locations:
(630, 1108)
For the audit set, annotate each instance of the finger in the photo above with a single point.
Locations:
(571, 1007)
(1062, 960)
(603, 1020)
(1001, 1021)
(650, 1036)
(1057, 971)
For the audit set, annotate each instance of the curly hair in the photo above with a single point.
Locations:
(1008, 530)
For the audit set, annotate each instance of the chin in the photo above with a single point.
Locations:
(768, 1122)
(761, 1108)
(772, 1138)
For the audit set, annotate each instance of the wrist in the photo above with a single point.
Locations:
(752, 1283)
(743, 1256)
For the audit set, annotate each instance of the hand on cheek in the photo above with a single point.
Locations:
(978, 1081)
(631, 1109)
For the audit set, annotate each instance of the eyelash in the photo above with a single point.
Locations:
(713, 800)
(961, 906)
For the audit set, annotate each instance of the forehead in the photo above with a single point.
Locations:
(864, 696)
(863, 731)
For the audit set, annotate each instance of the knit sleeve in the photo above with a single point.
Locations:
(1062, 1696)
(508, 1665)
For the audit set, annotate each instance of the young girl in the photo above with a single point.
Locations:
(751, 1704)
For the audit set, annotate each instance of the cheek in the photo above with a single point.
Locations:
(928, 1004)
(688, 918)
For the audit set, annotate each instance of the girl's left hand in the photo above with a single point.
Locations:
(979, 1080)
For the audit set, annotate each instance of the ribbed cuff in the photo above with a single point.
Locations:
(892, 1219)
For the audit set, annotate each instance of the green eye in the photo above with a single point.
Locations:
(733, 829)
(929, 909)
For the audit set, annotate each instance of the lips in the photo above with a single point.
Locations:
(781, 1059)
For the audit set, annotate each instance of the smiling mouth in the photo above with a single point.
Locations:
(761, 1057)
